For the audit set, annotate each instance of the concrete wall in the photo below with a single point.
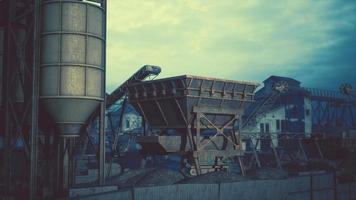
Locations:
(346, 191)
(294, 188)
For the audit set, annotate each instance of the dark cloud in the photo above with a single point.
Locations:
(333, 65)
(311, 41)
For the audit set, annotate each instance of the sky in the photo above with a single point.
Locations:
(312, 41)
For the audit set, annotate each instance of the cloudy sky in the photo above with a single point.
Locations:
(311, 41)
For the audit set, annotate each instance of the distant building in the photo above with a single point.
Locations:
(131, 121)
(280, 114)
(289, 113)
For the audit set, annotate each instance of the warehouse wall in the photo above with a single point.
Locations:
(316, 187)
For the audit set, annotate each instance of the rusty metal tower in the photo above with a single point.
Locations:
(52, 64)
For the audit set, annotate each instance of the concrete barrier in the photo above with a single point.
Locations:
(178, 192)
(316, 187)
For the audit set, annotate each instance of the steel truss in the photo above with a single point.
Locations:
(332, 110)
(204, 150)
(19, 104)
(285, 147)
(29, 137)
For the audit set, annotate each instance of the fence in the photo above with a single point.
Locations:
(308, 187)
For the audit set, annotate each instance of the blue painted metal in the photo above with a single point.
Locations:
(332, 112)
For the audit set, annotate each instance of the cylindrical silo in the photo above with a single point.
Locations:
(72, 62)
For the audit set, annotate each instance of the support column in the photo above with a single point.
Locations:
(101, 174)
(7, 73)
(35, 98)
(101, 170)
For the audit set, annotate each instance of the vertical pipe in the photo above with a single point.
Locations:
(35, 94)
(101, 173)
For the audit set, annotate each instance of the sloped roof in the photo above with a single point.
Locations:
(281, 78)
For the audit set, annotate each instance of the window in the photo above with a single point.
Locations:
(267, 127)
(278, 124)
(307, 112)
(295, 110)
(127, 124)
(262, 128)
(283, 125)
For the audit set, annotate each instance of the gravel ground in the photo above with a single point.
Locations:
(159, 177)
(146, 177)
(269, 173)
(215, 177)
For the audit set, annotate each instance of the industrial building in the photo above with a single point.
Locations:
(183, 137)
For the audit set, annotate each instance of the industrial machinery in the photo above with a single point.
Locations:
(201, 111)
(1, 70)
(334, 112)
(147, 71)
(72, 67)
(262, 105)
(72, 80)
(141, 74)
(52, 63)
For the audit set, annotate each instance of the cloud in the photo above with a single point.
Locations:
(245, 40)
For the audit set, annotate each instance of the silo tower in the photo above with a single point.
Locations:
(72, 70)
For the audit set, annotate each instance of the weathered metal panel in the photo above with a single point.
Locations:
(353, 189)
(2, 43)
(178, 192)
(77, 192)
(293, 188)
(324, 194)
(241, 190)
(1, 61)
(323, 186)
(72, 62)
(297, 188)
(245, 190)
(300, 183)
(343, 192)
(157, 193)
(169, 102)
(173, 144)
(111, 195)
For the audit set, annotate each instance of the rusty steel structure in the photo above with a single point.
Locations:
(120, 93)
(20, 30)
(334, 112)
(52, 56)
(284, 148)
(203, 111)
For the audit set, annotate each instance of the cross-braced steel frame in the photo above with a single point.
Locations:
(332, 110)
(284, 147)
(198, 144)
(25, 131)
(20, 93)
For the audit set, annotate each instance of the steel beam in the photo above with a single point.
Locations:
(101, 173)
(35, 97)
(7, 73)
